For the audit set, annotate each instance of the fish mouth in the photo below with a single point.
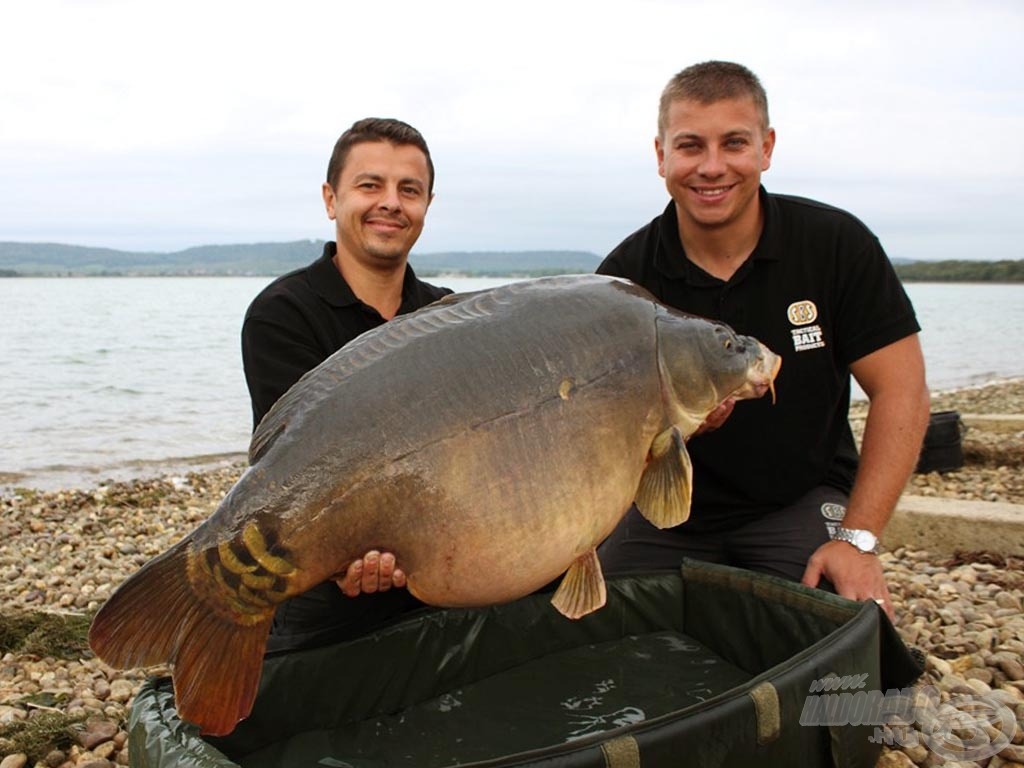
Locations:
(761, 376)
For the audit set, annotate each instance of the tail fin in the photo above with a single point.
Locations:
(155, 617)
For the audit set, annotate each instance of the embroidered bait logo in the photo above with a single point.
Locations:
(832, 511)
(805, 336)
(802, 312)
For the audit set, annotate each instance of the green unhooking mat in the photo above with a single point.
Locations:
(710, 667)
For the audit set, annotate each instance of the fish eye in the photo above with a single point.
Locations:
(728, 344)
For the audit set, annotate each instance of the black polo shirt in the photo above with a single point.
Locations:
(304, 317)
(820, 292)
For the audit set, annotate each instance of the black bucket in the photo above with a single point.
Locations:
(942, 450)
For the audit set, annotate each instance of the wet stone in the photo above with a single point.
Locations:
(96, 732)
(121, 690)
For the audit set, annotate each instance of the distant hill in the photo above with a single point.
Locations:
(55, 259)
(269, 259)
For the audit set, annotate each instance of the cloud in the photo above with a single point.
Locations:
(158, 126)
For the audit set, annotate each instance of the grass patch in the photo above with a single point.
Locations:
(61, 636)
(39, 735)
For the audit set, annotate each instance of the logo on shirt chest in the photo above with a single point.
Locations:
(807, 335)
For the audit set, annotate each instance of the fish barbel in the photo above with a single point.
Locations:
(510, 428)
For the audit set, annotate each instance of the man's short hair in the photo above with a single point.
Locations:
(377, 129)
(712, 81)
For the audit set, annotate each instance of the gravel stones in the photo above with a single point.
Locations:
(993, 459)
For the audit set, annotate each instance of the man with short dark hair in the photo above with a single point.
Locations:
(777, 488)
(379, 185)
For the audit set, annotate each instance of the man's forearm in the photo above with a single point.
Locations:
(893, 433)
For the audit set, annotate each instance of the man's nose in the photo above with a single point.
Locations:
(713, 162)
(390, 200)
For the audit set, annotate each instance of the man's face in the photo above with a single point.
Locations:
(380, 202)
(711, 157)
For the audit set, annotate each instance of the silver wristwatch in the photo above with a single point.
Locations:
(863, 540)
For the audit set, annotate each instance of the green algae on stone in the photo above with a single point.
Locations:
(61, 636)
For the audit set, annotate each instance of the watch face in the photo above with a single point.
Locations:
(864, 540)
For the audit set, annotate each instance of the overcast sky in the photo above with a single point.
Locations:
(162, 125)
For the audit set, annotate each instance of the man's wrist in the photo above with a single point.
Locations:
(861, 539)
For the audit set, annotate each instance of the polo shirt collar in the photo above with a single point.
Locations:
(328, 282)
(670, 258)
(333, 288)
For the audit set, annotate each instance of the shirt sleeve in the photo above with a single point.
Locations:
(874, 310)
(608, 267)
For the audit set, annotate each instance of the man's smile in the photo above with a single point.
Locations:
(385, 225)
(710, 192)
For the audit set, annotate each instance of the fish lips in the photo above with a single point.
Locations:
(761, 375)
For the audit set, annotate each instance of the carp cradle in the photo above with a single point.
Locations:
(709, 666)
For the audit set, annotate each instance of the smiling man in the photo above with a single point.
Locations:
(780, 488)
(380, 182)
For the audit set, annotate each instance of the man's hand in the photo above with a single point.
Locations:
(855, 575)
(717, 417)
(374, 572)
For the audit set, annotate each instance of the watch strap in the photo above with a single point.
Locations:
(850, 536)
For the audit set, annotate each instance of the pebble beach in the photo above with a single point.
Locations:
(62, 553)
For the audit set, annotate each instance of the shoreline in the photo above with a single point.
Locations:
(69, 478)
(994, 382)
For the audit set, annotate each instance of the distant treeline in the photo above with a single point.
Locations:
(271, 259)
(962, 271)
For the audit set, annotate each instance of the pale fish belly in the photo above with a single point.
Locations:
(470, 571)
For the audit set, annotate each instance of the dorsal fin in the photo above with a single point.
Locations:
(366, 349)
(262, 439)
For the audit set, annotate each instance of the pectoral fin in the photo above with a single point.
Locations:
(664, 493)
(582, 590)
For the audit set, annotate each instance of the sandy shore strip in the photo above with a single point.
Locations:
(63, 552)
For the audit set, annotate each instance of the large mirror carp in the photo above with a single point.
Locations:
(490, 441)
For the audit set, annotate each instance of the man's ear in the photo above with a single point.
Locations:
(767, 147)
(329, 199)
(659, 151)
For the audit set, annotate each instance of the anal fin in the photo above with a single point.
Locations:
(582, 591)
(664, 493)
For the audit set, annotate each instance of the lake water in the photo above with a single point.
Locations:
(125, 377)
